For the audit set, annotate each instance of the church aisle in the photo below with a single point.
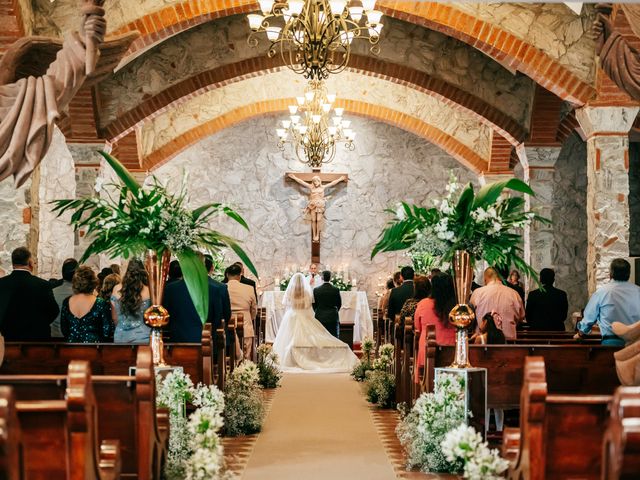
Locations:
(319, 427)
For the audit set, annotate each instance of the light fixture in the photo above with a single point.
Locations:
(310, 132)
(314, 37)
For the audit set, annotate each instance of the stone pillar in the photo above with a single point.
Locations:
(57, 180)
(606, 129)
(488, 177)
(539, 168)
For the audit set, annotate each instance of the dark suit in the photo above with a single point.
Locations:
(327, 303)
(27, 307)
(397, 297)
(547, 310)
(184, 324)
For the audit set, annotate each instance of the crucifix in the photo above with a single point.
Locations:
(315, 182)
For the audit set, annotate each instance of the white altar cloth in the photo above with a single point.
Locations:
(355, 311)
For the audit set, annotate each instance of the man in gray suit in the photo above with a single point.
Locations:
(327, 303)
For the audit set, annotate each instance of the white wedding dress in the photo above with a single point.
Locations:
(302, 343)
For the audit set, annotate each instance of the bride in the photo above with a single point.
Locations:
(302, 343)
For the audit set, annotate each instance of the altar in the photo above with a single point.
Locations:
(355, 311)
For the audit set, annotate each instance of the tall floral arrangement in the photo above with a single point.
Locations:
(131, 219)
(486, 223)
(243, 412)
(269, 372)
(380, 383)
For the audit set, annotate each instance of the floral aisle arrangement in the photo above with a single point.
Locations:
(487, 224)
(243, 410)
(380, 384)
(427, 252)
(268, 367)
(359, 372)
(464, 444)
(130, 220)
(423, 429)
(195, 449)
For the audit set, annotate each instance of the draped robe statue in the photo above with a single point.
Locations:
(30, 106)
(619, 60)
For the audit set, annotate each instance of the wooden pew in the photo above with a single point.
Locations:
(262, 325)
(562, 436)
(53, 438)
(105, 358)
(621, 447)
(570, 368)
(126, 410)
(378, 324)
(220, 357)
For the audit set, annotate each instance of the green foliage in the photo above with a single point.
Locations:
(380, 388)
(268, 370)
(359, 372)
(486, 224)
(130, 219)
(243, 409)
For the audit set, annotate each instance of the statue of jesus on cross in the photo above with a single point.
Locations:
(317, 202)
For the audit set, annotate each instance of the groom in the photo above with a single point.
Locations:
(327, 303)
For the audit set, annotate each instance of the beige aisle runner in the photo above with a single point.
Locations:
(319, 427)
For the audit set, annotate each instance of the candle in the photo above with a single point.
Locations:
(353, 282)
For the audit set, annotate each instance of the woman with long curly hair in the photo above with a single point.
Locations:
(129, 301)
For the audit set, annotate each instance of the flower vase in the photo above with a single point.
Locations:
(156, 316)
(462, 315)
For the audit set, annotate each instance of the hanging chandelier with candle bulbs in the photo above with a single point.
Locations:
(315, 126)
(314, 37)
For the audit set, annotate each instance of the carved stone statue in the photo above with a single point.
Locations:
(30, 106)
(317, 202)
(619, 60)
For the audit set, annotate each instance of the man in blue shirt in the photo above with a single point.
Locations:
(617, 301)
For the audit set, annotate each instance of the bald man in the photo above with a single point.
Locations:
(498, 298)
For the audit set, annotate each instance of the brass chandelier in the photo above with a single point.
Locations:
(313, 134)
(314, 37)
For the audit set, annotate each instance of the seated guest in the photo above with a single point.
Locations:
(226, 303)
(384, 299)
(27, 304)
(547, 307)
(186, 325)
(175, 272)
(421, 290)
(128, 303)
(243, 300)
(498, 298)
(434, 310)
(244, 280)
(434, 272)
(618, 300)
(104, 273)
(108, 284)
(514, 282)
(63, 291)
(400, 294)
(85, 317)
(115, 268)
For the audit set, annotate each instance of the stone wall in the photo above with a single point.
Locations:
(387, 166)
(14, 205)
(634, 199)
(570, 222)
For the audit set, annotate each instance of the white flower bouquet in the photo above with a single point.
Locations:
(480, 462)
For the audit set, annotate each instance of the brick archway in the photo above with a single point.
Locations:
(446, 142)
(504, 125)
(504, 47)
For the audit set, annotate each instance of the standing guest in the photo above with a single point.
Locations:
(85, 317)
(313, 278)
(175, 272)
(186, 325)
(616, 301)
(326, 304)
(514, 282)
(62, 291)
(226, 303)
(115, 268)
(244, 280)
(384, 299)
(400, 294)
(434, 272)
(108, 284)
(104, 273)
(27, 304)
(397, 279)
(434, 310)
(128, 303)
(547, 307)
(421, 290)
(498, 298)
(243, 300)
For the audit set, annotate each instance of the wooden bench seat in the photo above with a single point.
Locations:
(125, 409)
(106, 358)
(562, 436)
(55, 439)
(571, 369)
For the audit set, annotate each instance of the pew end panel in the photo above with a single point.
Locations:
(621, 446)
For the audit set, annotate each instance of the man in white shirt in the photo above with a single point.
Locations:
(498, 298)
(313, 278)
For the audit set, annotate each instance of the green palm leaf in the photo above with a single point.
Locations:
(488, 194)
(121, 171)
(195, 276)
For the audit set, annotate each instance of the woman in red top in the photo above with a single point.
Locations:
(434, 310)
